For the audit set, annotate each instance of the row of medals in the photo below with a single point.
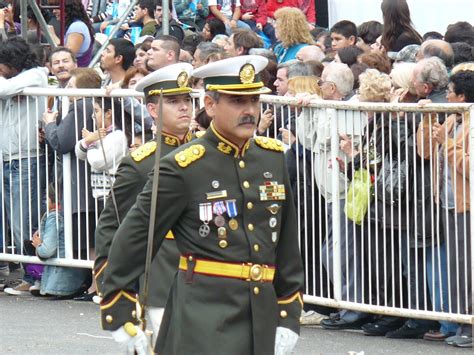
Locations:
(219, 221)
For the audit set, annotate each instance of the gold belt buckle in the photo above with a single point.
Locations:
(256, 272)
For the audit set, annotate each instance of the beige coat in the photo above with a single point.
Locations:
(457, 153)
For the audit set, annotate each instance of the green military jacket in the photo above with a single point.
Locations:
(215, 314)
(131, 177)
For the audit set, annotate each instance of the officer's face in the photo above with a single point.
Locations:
(234, 116)
(177, 111)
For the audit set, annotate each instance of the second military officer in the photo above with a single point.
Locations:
(173, 83)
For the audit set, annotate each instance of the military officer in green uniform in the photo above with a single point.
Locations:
(132, 175)
(227, 199)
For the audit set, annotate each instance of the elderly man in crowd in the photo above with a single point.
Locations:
(437, 48)
(314, 132)
(310, 53)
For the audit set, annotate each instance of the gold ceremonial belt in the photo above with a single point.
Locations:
(243, 271)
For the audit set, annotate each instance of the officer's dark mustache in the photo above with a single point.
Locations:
(247, 119)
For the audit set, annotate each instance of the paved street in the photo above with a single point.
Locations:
(30, 325)
(40, 326)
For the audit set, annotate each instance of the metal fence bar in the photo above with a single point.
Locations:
(362, 276)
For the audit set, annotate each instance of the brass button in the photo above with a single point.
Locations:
(250, 227)
(134, 314)
(246, 184)
(256, 247)
(256, 290)
(283, 314)
(242, 164)
(223, 243)
(190, 258)
(249, 205)
(182, 157)
(196, 151)
(109, 318)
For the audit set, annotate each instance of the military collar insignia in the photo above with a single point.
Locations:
(227, 147)
(172, 140)
(224, 148)
(247, 74)
(182, 79)
(188, 137)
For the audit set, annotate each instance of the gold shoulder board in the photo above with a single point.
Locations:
(189, 155)
(199, 134)
(269, 143)
(144, 151)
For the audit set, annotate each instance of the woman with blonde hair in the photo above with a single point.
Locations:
(291, 30)
(300, 85)
(404, 90)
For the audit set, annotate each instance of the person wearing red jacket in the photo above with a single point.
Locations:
(254, 14)
(307, 6)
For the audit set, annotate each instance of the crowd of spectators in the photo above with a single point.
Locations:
(373, 62)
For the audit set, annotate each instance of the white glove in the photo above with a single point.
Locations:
(132, 343)
(285, 341)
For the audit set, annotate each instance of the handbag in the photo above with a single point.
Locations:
(358, 196)
(391, 182)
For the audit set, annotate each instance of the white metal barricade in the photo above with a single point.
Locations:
(371, 226)
(380, 229)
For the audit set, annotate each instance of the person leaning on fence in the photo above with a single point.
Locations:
(238, 289)
(429, 78)
(61, 136)
(313, 128)
(446, 144)
(132, 175)
(366, 158)
(22, 152)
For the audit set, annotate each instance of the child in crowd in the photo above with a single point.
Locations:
(254, 14)
(64, 282)
(105, 147)
(343, 34)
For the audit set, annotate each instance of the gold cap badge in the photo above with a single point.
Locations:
(247, 74)
(182, 79)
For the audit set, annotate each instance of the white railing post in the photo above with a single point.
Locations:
(471, 190)
(67, 196)
(331, 116)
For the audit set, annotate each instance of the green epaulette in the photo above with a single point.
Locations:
(269, 143)
(189, 155)
(144, 151)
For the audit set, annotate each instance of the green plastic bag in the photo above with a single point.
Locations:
(358, 196)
